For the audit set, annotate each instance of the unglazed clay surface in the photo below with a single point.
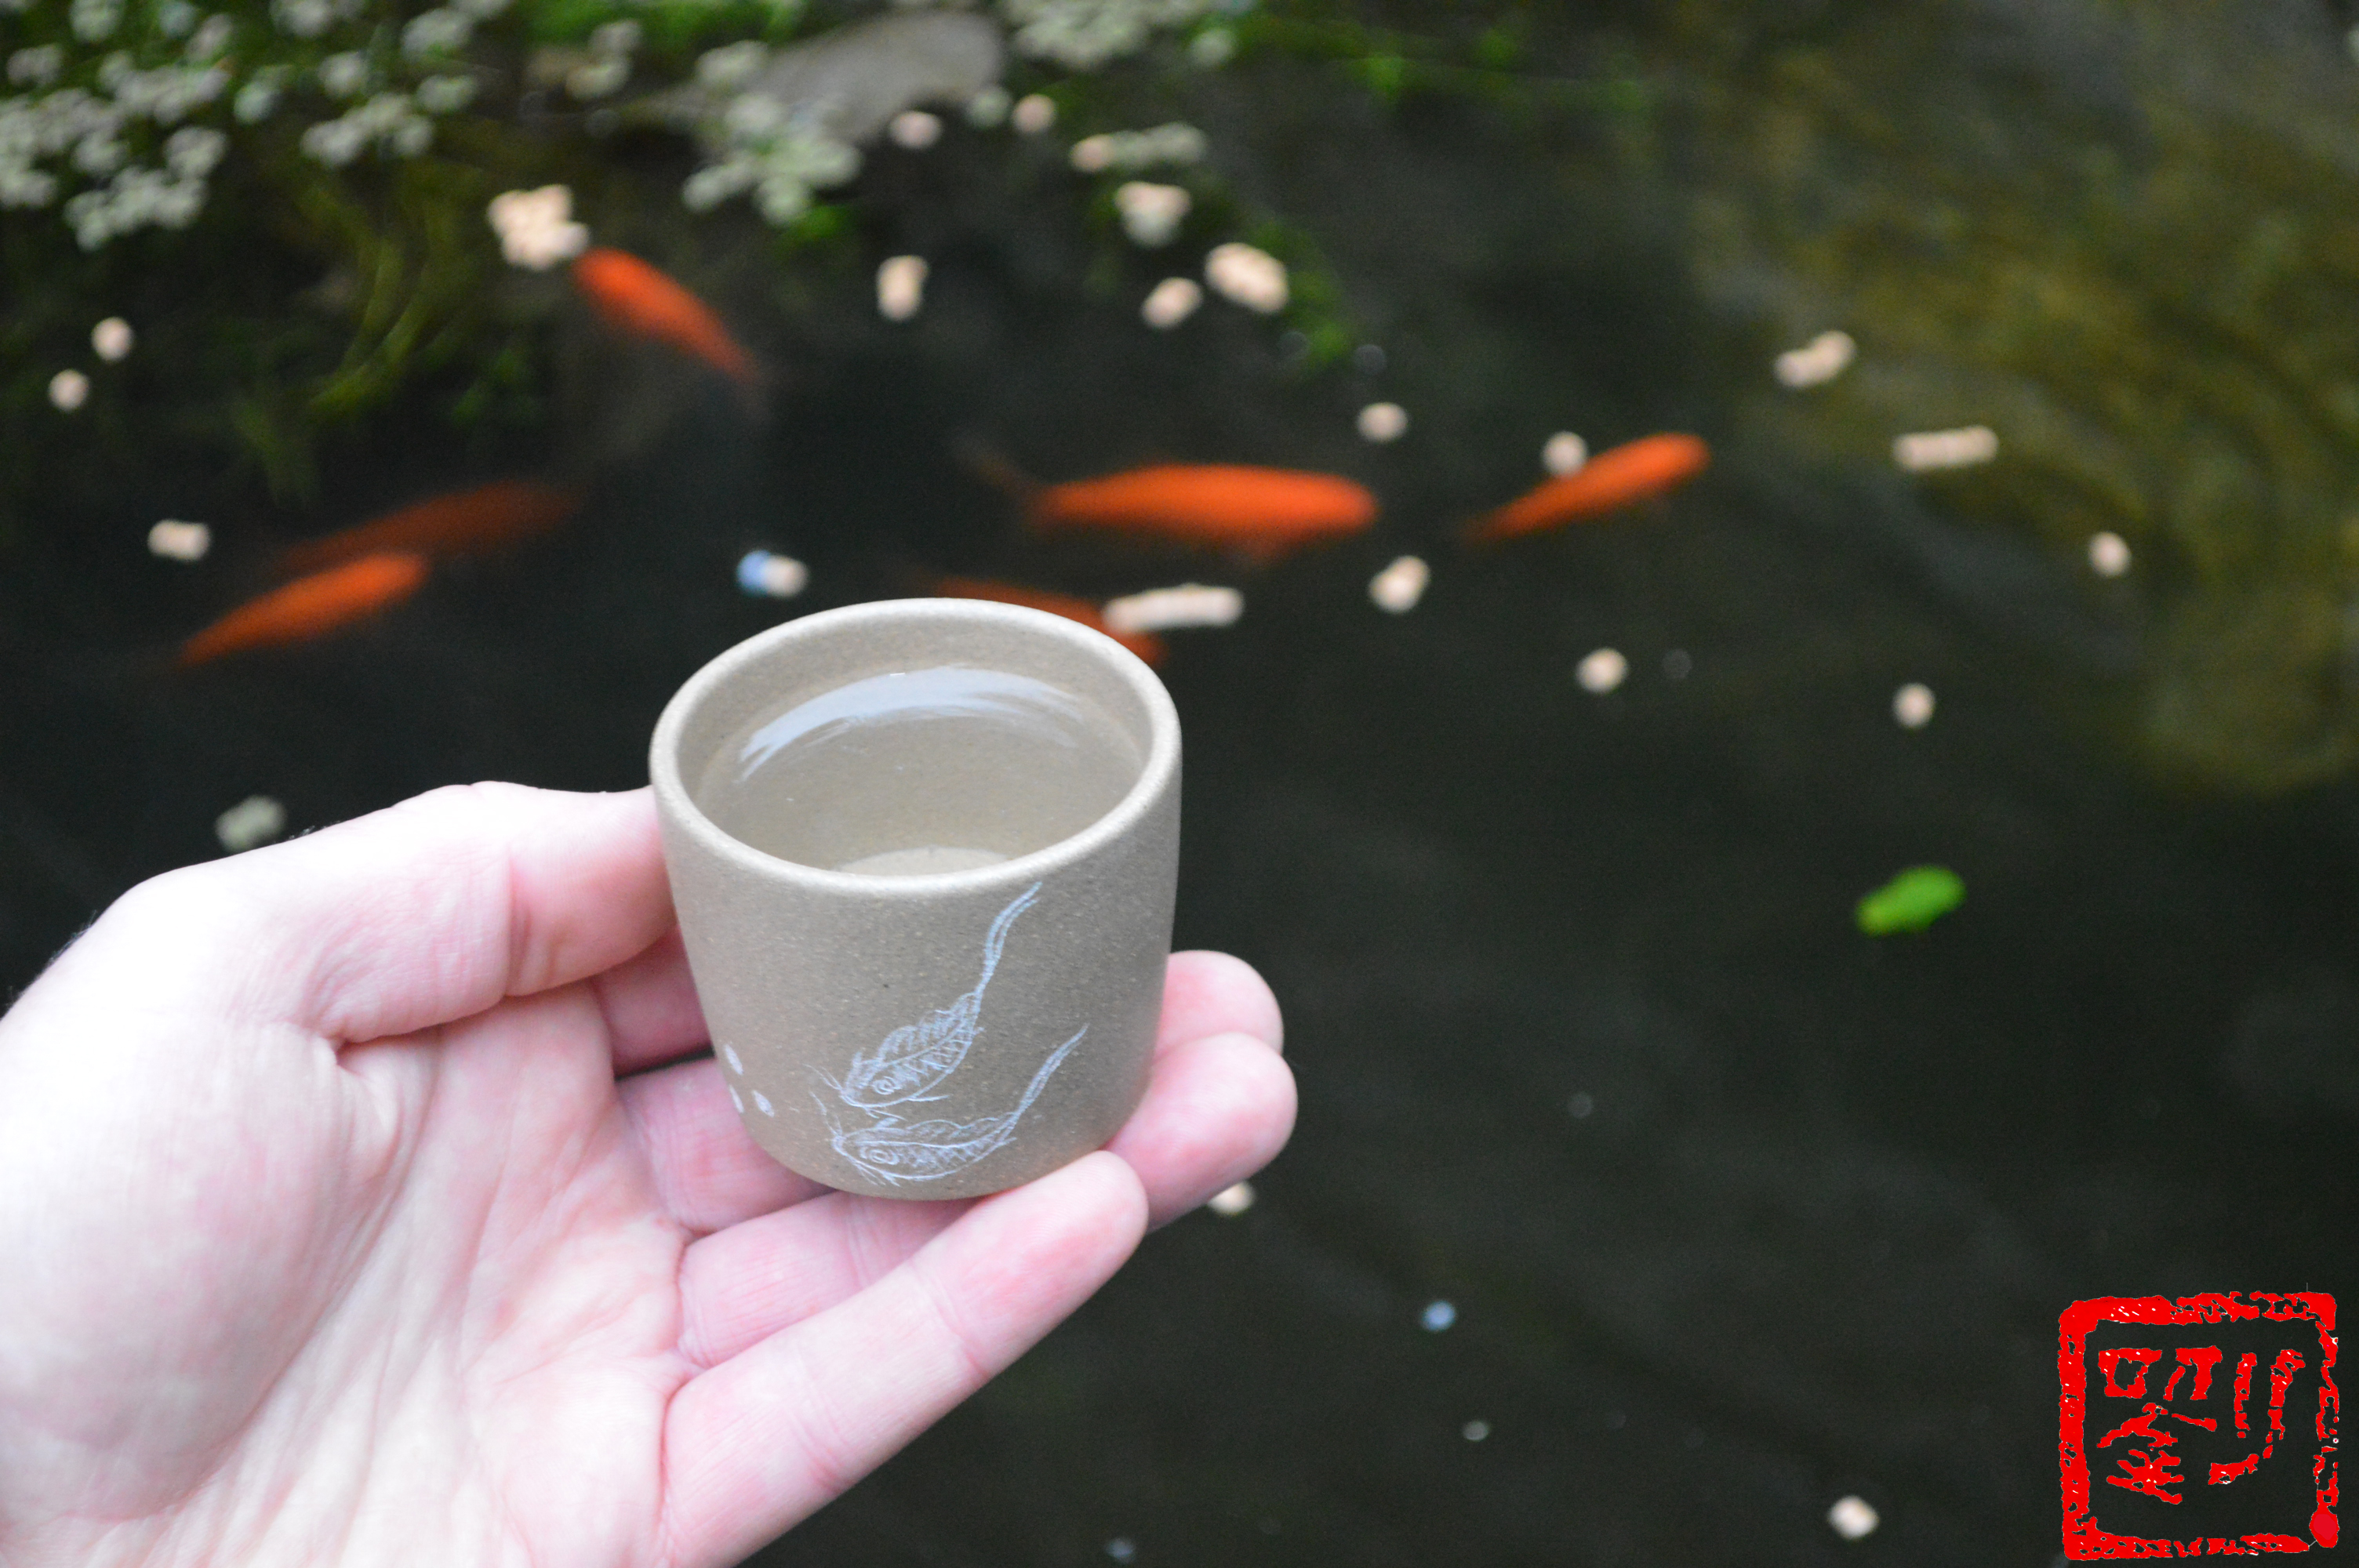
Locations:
(917, 1034)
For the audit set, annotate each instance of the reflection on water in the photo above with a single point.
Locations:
(1738, 1211)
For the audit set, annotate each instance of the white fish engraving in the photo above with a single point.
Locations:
(910, 1066)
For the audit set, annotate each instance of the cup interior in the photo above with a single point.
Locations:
(920, 737)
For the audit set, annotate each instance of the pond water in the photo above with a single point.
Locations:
(1736, 1210)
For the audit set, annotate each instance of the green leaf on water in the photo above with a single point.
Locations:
(1911, 901)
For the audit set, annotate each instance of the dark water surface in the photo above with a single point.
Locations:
(1739, 1211)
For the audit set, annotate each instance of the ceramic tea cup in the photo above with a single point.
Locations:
(924, 853)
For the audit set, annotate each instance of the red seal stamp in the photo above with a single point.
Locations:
(2197, 1426)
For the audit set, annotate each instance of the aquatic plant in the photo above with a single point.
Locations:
(2131, 252)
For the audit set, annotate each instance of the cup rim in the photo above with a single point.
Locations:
(1155, 773)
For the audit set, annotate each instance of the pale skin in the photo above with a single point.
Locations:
(369, 1200)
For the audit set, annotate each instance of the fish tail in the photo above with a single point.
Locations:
(1040, 1079)
(999, 929)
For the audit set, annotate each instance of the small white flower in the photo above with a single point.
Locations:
(195, 151)
(618, 38)
(437, 31)
(304, 18)
(212, 38)
(95, 19)
(988, 108)
(345, 75)
(446, 94)
(176, 18)
(536, 227)
(35, 67)
(1212, 48)
(255, 101)
(731, 67)
(597, 78)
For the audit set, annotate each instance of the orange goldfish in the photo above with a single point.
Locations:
(485, 518)
(633, 297)
(1634, 471)
(311, 606)
(1261, 513)
(1149, 647)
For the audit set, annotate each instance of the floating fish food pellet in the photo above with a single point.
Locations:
(1170, 302)
(256, 820)
(1436, 1316)
(1581, 1106)
(1852, 1518)
(1819, 361)
(1383, 422)
(1475, 1430)
(900, 288)
(1033, 113)
(1601, 671)
(1230, 1202)
(1399, 585)
(1152, 214)
(915, 129)
(1168, 609)
(177, 541)
(1564, 453)
(1122, 1549)
(770, 576)
(536, 228)
(1251, 277)
(2109, 555)
(1927, 450)
(111, 339)
(69, 390)
(1912, 705)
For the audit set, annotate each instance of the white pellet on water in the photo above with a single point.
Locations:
(900, 286)
(1601, 671)
(2109, 555)
(1475, 1430)
(1170, 302)
(1033, 113)
(1252, 277)
(1912, 705)
(1818, 362)
(768, 576)
(1122, 1549)
(1852, 1518)
(1399, 585)
(111, 339)
(1383, 422)
(1582, 1105)
(1564, 453)
(256, 820)
(1152, 214)
(1436, 1316)
(1925, 450)
(1230, 1202)
(69, 390)
(915, 129)
(177, 541)
(1164, 609)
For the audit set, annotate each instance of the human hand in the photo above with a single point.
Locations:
(356, 1206)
